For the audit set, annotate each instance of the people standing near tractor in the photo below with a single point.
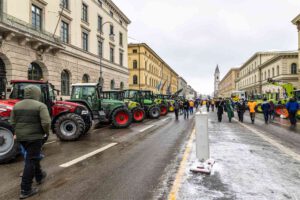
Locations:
(207, 105)
(176, 109)
(213, 105)
(272, 110)
(266, 110)
(31, 121)
(181, 110)
(241, 108)
(191, 106)
(186, 109)
(252, 105)
(292, 106)
(229, 110)
(220, 110)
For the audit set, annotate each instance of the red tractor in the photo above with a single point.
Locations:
(69, 120)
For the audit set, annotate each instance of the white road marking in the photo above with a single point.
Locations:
(165, 119)
(284, 149)
(50, 142)
(144, 129)
(81, 158)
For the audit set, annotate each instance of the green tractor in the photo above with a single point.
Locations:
(138, 113)
(166, 100)
(146, 100)
(103, 110)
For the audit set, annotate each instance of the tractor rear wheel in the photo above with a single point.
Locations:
(69, 127)
(9, 148)
(121, 118)
(138, 114)
(163, 110)
(154, 112)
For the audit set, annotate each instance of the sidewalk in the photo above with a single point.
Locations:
(249, 165)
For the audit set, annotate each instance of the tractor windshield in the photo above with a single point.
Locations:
(18, 91)
(146, 95)
(83, 92)
(130, 94)
(297, 95)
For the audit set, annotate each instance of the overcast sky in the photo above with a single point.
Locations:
(193, 36)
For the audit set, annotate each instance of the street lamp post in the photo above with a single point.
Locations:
(101, 80)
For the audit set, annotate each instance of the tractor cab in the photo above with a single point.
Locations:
(297, 95)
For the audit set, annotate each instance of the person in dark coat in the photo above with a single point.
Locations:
(207, 105)
(272, 111)
(266, 110)
(241, 108)
(220, 110)
(31, 121)
(176, 109)
(229, 109)
(292, 106)
(186, 109)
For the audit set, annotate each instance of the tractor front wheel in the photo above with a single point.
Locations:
(121, 118)
(138, 114)
(69, 127)
(154, 112)
(163, 110)
(9, 148)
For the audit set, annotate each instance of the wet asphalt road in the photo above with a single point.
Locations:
(253, 162)
(133, 169)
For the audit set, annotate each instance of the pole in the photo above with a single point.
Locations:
(202, 139)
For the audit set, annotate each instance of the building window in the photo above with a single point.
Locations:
(64, 32)
(65, 4)
(273, 72)
(112, 84)
(135, 80)
(85, 78)
(121, 58)
(65, 83)
(100, 48)
(121, 85)
(112, 56)
(269, 74)
(121, 39)
(36, 14)
(100, 3)
(85, 41)
(111, 30)
(134, 51)
(100, 21)
(134, 64)
(84, 14)
(265, 75)
(111, 13)
(35, 72)
(294, 68)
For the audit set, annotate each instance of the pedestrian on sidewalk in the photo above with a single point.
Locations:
(252, 105)
(272, 111)
(213, 105)
(241, 108)
(266, 110)
(229, 110)
(292, 106)
(191, 106)
(186, 109)
(176, 109)
(31, 121)
(220, 110)
(207, 105)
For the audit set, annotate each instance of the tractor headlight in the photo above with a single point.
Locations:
(85, 112)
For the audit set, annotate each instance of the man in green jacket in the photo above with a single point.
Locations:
(31, 121)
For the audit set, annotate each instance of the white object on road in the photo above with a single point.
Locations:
(81, 158)
(202, 140)
(146, 128)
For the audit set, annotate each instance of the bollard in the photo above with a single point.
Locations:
(202, 140)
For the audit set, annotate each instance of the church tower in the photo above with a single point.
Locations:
(217, 81)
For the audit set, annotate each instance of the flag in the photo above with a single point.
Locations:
(169, 89)
(158, 86)
(163, 85)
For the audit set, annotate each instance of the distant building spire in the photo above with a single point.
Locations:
(217, 81)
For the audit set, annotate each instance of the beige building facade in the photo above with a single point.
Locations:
(280, 66)
(227, 84)
(149, 72)
(182, 84)
(296, 21)
(62, 41)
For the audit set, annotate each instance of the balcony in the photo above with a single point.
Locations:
(12, 27)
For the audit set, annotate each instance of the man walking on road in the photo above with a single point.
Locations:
(191, 106)
(207, 105)
(292, 106)
(229, 110)
(266, 110)
(220, 110)
(252, 105)
(176, 109)
(31, 121)
(272, 111)
(186, 109)
(241, 108)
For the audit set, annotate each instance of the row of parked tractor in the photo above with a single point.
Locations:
(88, 105)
